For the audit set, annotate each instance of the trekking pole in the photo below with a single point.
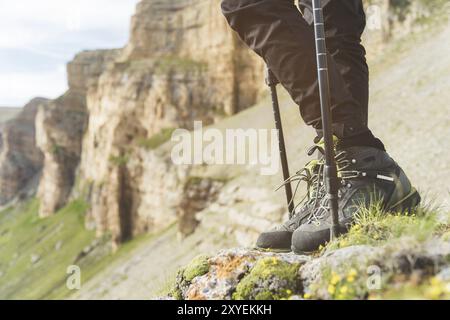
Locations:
(272, 81)
(330, 169)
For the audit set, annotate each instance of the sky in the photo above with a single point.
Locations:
(38, 38)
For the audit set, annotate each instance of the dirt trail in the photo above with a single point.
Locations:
(410, 108)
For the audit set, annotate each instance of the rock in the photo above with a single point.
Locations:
(198, 193)
(60, 125)
(444, 275)
(20, 159)
(353, 272)
(359, 255)
(242, 269)
(58, 245)
(35, 258)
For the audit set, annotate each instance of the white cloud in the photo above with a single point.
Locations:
(25, 23)
(23, 87)
(55, 29)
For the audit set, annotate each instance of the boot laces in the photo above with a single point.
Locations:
(322, 207)
(312, 175)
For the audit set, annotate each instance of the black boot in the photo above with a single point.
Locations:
(368, 175)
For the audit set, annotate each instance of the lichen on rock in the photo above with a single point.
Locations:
(270, 279)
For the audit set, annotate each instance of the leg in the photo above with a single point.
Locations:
(276, 30)
(345, 22)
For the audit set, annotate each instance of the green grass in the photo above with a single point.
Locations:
(119, 161)
(23, 235)
(375, 227)
(94, 263)
(167, 64)
(156, 140)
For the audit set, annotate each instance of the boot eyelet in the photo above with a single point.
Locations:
(349, 186)
(353, 161)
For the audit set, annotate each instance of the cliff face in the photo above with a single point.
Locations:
(182, 64)
(60, 125)
(20, 159)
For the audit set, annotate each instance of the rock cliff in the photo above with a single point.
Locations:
(182, 63)
(20, 158)
(60, 125)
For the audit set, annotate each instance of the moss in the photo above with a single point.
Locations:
(196, 180)
(56, 149)
(172, 63)
(269, 279)
(431, 289)
(198, 267)
(119, 161)
(156, 140)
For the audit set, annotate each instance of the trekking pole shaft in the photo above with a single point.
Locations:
(272, 82)
(330, 170)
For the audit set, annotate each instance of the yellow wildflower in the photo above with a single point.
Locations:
(435, 292)
(331, 289)
(335, 278)
(352, 272)
(307, 296)
(343, 289)
(351, 275)
(435, 281)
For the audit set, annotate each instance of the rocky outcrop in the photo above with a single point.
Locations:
(404, 270)
(20, 159)
(60, 125)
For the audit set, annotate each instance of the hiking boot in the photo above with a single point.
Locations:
(368, 175)
(280, 237)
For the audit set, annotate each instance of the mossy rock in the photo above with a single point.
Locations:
(196, 268)
(270, 279)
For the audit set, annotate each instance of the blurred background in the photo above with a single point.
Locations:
(90, 93)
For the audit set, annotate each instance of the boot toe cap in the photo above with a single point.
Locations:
(278, 240)
(305, 240)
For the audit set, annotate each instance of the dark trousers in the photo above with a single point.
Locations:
(284, 37)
